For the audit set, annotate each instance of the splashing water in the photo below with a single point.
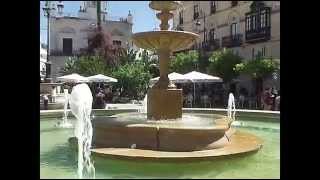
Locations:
(144, 106)
(64, 123)
(232, 111)
(81, 106)
(231, 108)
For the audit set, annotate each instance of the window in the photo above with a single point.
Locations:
(234, 29)
(254, 20)
(181, 17)
(252, 55)
(234, 3)
(116, 43)
(195, 12)
(212, 34)
(263, 51)
(212, 7)
(262, 20)
(67, 46)
(248, 24)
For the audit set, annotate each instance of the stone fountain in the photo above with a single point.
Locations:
(164, 100)
(166, 133)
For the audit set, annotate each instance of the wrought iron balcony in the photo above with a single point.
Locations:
(211, 45)
(61, 53)
(232, 41)
(257, 35)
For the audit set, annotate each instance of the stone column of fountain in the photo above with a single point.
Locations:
(164, 100)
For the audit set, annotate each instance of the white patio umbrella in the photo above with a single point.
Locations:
(73, 78)
(101, 78)
(197, 77)
(174, 77)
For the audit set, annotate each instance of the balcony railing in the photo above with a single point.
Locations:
(232, 41)
(61, 53)
(257, 35)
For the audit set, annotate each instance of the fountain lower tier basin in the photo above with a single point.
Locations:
(164, 39)
(241, 143)
(190, 133)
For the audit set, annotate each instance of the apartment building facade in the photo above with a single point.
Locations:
(249, 28)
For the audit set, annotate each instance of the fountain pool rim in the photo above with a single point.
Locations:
(237, 148)
(274, 115)
(241, 113)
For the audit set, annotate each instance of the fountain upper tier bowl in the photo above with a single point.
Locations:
(164, 5)
(171, 40)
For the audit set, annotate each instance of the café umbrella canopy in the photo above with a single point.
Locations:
(197, 77)
(73, 78)
(174, 77)
(101, 78)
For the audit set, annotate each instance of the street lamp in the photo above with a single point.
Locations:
(201, 47)
(47, 11)
(198, 23)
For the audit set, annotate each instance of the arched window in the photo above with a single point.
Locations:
(212, 7)
(181, 17)
(195, 11)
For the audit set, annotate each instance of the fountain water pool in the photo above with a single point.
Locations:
(58, 160)
(65, 123)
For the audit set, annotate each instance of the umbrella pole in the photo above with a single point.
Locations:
(194, 93)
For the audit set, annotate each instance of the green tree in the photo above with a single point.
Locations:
(258, 69)
(222, 64)
(128, 57)
(149, 61)
(86, 66)
(184, 62)
(133, 78)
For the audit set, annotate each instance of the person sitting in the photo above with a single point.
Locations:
(241, 100)
(100, 102)
(205, 100)
(189, 99)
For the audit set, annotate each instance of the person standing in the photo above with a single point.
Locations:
(100, 102)
(277, 102)
(53, 94)
(267, 99)
(274, 94)
(45, 102)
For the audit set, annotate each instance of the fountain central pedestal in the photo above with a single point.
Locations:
(164, 100)
(164, 103)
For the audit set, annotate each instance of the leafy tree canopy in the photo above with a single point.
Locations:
(222, 64)
(184, 62)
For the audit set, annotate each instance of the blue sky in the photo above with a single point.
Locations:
(144, 18)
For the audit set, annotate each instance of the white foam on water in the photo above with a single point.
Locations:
(144, 106)
(81, 106)
(231, 112)
(65, 123)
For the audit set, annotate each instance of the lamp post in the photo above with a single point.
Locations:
(201, 46)
(47, 11)
(198, 23)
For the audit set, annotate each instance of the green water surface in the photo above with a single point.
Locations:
(57, 160)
